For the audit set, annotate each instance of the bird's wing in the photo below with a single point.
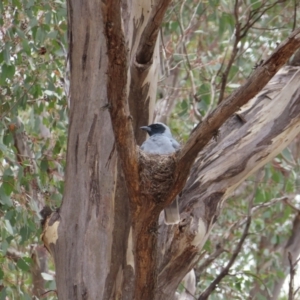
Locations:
(175, 144)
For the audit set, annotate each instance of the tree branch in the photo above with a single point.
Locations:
(271, 122)
(209, 127)
(292, 275)
(117, 97)
(225, 271)
(234, 51)
(150, 33)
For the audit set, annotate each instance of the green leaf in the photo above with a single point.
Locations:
(4, 246)
(255, 4)
(33, 22)
(56, 197)
(21, 264)
(238, 285)
(29, 4)
(8, 184)
(25, 234)
(52, 34)
(290, 186)
(277, 177)
(8, 138)
(3, 148)
(9, 239)
(10, 215)
(28, 260)
(6, 53)
(4, 199)
(9, 227)
(3, 294)
(1, 274)
(40, 35)
(260, 196)
(286, 153)
(7, 72)
(44, 165)
(26, 47)
(26, 297)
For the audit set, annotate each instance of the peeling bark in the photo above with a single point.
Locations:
(216, 173)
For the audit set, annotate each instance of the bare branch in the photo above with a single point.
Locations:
(256, 13)
(234, 51)
(47, 293)
(219, 250)
(295, 15)
(256, 209)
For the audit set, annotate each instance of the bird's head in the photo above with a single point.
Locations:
(157, 128)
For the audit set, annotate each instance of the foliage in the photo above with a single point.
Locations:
(205, 56)
(33, 110)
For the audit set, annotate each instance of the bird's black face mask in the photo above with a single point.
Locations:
(154, 129)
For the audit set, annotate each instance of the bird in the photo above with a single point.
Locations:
(162, 142)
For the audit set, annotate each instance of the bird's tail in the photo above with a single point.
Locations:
(172, 213)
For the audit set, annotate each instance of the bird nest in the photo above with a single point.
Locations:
(156, 173)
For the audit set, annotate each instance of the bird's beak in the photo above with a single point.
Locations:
(146, 128)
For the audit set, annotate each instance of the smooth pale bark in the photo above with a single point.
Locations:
(143, 71)
(86, 216)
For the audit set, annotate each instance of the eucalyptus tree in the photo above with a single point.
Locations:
(107, 237)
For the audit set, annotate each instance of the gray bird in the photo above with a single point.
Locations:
(162, 142)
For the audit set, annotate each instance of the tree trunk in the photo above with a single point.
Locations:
(95, 239)
(107, 239)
